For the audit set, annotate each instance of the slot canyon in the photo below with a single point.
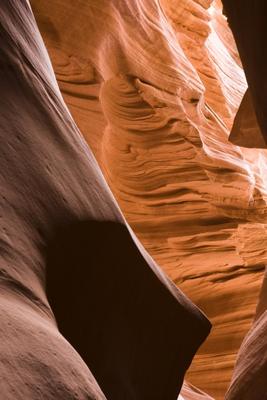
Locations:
(133, 205)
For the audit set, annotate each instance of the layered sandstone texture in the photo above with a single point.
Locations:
(154, 87)
(62, 235)
(249, 378)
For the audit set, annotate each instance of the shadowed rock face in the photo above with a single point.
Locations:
(249, 377)
(245, 130)
(248, 23)
(118, 314)
(154, 87)
(51, 183)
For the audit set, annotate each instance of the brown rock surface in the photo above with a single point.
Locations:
(245, 130)
(154, 88)
(249, 378)
(61, 228)
(190, 392)
(248, 22)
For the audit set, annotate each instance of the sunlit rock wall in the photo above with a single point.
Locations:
(154, 88)
(73, 275)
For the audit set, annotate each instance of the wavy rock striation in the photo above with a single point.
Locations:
(61, 230)
(154, 88)
(250, 370)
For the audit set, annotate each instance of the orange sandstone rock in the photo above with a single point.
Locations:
(109, 298)
(154, 88)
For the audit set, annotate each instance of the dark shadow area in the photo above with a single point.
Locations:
(134, 335)
(247, 19)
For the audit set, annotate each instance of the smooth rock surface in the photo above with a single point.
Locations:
(52, 185)
(249, 378)
(154, 88)
(248, 22)
(245, 131)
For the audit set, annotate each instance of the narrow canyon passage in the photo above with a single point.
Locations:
(155, 92)
(139, 150)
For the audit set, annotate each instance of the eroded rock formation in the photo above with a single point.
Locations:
(252, 49)
(249, 378)
(63, 233)
(154, 88)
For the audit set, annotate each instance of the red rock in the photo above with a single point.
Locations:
(51, 184)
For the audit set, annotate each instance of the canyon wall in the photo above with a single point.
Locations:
(154, 88)
(113, 325)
